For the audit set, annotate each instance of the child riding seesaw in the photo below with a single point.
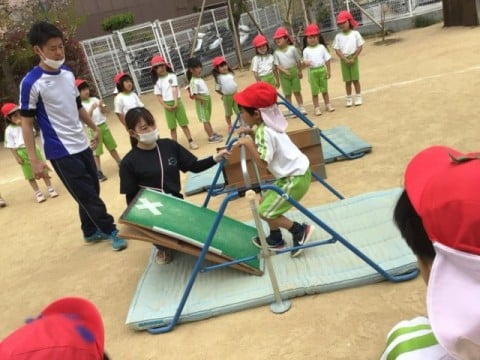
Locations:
(272, 148)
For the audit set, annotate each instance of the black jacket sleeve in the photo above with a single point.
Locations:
(189, 162)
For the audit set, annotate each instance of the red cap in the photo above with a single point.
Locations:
(69, 328)
(9, 108)
(118, 77)
(312, 30)
(280, 32)
(79, 82)
(257, 96)
(344, 16)
(158, 60)
(443, 187)
(218, 60)
(259, 40)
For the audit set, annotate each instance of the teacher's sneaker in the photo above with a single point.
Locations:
(117, 242)
(96, 237)
(358, 100)
(270, 244)
(302, 238)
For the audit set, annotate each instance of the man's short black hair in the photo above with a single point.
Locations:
(411, 227)
(41, 32)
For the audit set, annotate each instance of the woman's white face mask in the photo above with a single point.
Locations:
(148, 138)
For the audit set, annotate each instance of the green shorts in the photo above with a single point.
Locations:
(274, 205)
(104, 137)
(179, 116)
(27, 166)
(350, 72)
(269, 78)
(290, 83)
(204, 111)
(317, 77)
(229, 105)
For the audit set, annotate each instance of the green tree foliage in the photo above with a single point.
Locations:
(16, 54)
(118, 21)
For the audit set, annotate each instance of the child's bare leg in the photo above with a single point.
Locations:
(115, 155)
(315, 101)
(299, 98)
(280, 222)
(348, 87)
(34, 185)
(228, 120)
(326, 98)
(97, 162)
(208, 128)
(187, 133)
(356, 85)
(47, 181)
(289, 98)
(173, 134)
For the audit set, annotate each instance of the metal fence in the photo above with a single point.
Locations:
(131, 49)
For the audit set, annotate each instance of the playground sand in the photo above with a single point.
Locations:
(417, 92)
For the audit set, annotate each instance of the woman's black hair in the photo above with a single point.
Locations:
(120, 86)
(153, 72)
(411, 227)
(43, 31)
(192, 63)
(133, 116)
(321, 40)
(216, 71)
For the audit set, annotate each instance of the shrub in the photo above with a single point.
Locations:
(423, 21)
(117, 21)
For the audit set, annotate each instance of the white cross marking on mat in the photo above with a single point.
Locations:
(150, 206)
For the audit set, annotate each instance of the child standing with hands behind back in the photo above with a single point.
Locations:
(203, 103)
(226, 86)
(348, 45)
(14, 141)
(262, 63)
(317, 58)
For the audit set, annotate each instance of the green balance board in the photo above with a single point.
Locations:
(191, 223)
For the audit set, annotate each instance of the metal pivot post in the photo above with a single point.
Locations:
(279, 306)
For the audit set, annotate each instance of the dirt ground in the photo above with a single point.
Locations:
(417, 92)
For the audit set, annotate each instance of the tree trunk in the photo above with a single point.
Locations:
(10, 84)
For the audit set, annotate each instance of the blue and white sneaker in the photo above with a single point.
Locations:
(96, 237)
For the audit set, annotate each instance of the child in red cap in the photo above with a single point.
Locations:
(262, 63)
(438, 214)
(226, 86)
(69, 328)
(126, 97)
(348, 45)
(15, 142)
(288, 64)
(274, 149)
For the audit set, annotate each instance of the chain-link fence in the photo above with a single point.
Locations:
(131, 49)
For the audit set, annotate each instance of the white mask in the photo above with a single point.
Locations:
(54, 64)
(149, 138)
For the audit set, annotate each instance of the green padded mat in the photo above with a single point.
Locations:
(191, 223)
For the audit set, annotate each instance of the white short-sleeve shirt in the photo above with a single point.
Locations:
(126, 101)
(349, 42)
(97, 116)
(287, 57)
(262, 64)
(198, 86)
(164, 87)
(316, 55)
(226, 84)
(14, 137)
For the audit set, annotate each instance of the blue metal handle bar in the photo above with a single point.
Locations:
(328, 186)
(232, 131)
(307, 121)
(196, 268)
(227, 264)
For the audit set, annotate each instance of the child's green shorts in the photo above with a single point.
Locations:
(317, 77)
(27, 166)
(104, 137)
(179, 116)
(350, 72)
(273, 205)
(230, 105)
(290, 83)
(269, 78)
(204, 111)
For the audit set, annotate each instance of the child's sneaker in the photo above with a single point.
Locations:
(2, 202)
(52, 193)
(329, 108)
(215, 138)
(270, 244)
(117, 242)
(349, 101)
(163, 256)
(101, 177)
(96, 237)
(192, 145)
(358, 100)
(301, 108)
(317, 111)
(40, 197)
(302, 238)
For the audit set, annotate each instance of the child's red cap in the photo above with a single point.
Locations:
(259, 40)
(118, 77)
(79, 82)
(280, 32)
(69, 328)
(218, 60)
(257, 96)
(312, 30)
(9, 108)
(344, 16)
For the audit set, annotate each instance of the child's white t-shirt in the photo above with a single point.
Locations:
(14, 137)
(282, 156)
(348, 43)
(164, 87)
(226, 84)
(262, 64)
(316, 55)
(124, 102)
(198, 86)
(97, 116)
(287, 57)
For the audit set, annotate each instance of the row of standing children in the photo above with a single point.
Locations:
(284, 67)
